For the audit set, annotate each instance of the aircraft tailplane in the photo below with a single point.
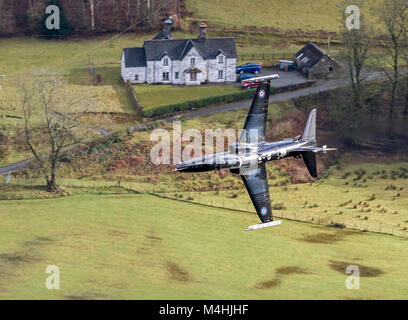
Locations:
(309, 157)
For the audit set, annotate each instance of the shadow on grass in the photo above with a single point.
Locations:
(178, 273)
(365, 271)
(279, 274)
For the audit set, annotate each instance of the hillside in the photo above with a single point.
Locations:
(283, 15)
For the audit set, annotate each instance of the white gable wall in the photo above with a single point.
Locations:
(214, 66)
(231, 67)
(130, 73)
(200, 63)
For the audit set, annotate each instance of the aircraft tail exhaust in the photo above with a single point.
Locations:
(309, 134)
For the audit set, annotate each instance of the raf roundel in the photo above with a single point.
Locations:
(264, 211)
(261, 93)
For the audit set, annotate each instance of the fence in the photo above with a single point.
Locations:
(230, 204)
(297, 216)
(272, 58)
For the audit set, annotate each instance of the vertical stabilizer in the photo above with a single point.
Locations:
(309, 134)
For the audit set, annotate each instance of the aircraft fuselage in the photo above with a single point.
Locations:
(244, 155)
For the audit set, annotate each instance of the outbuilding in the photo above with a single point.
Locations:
(314, 62)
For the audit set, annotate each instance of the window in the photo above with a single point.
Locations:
(192, 61)
(176, 75)
(220, 74)
(165, 61)
(165, 76)
(220, 59)
(305, 59)
(193, 76)
(136, 77)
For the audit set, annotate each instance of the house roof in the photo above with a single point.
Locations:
(312, 52)
(134, 57)
(162, 36)
(178, 48)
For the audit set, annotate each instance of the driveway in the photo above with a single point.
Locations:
(286, 78)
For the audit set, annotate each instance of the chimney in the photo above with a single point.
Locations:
(167, 28)
(203, 31)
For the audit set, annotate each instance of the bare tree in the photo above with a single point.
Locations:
(51, 120)
(357, 43)
(393, 15)
(405, 57)
(92, 8)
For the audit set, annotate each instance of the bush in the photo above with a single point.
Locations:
(200, 103)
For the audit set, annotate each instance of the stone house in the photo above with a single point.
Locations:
(314, 62)
(181, 61)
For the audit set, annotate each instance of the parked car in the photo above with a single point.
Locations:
(249, 68)
(244, 76)
(249, 85)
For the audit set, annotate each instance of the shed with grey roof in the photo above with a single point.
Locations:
(314, 62)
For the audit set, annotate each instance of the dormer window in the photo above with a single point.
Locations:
(192, 61)
(165, 61)
(220, 59)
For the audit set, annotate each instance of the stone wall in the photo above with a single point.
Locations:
(322, 68)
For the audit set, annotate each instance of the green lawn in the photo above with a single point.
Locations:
(159, 95)
(144, 247)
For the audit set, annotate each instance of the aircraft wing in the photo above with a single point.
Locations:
(255, 124)
(256, 183)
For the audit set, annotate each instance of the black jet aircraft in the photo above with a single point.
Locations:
(248, 156)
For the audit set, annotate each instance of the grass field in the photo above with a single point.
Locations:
(281, 14)
(118, 247)
(154, 96)
(376, 200)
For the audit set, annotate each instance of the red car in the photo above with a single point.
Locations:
(249, 85)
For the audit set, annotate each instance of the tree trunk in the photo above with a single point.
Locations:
(406, 96)
(52, 186)
(52, 181)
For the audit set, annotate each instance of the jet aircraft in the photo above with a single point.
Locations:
(248, 156)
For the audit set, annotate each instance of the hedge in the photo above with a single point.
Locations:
(195, 104)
